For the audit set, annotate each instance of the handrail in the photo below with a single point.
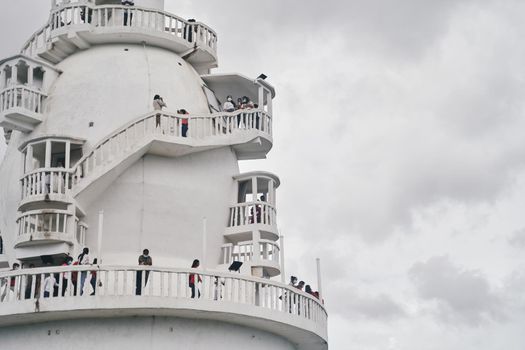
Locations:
(23, 97)
(34, 222)
(29, 284)
(71, 14)
(248, 213)
(46, 181)
(169, 124)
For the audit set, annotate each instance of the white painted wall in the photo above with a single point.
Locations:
(152, 333)
(158, 203)
(111, 86)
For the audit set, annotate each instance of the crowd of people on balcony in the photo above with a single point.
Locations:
(307, 288)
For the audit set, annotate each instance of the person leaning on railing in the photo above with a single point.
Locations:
(184, 122)
(144, 260)
(128, 12)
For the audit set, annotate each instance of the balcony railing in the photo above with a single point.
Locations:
(252, 213)
(170, 126)
(103, 282)
(22, 97)
(46, 181)
(44, 226)
(115, 17)
(245, 251)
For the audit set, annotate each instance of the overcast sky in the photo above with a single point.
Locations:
(399, 140)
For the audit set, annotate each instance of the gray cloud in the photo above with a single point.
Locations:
(463, 296)
(517, 238)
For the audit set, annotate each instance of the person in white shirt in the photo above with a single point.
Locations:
(228, 105)
(158, 104)
(50, 283)
(83, 259)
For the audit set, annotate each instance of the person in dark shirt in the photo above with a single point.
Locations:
(144, 260)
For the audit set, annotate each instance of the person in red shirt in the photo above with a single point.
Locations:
(195, 278)
(184, 122)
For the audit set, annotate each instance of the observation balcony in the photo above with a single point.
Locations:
(255, 208)
(44, 227)
(79, 25)
(46, 185)
(24, 82)
(263, 253)
(233, 298)
(21, 108)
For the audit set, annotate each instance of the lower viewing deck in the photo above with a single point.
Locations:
(65, 293)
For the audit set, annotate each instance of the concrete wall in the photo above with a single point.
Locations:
(158, 203)
(152, 333)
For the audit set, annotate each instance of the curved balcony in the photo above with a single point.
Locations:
(252, 302)
(247, 217)
(248, 132)
(46, 184)
(77, 26)
(44, 227)
(268, 255)
(21, 108)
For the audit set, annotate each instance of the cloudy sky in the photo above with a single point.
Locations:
(399, 142)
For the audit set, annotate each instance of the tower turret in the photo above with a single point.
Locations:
(125, 148)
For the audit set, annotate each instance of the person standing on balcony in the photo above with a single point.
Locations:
(184, 122)
(50, 284)
(83, 259)
(194, 278)
(128, 12)
(229, 106)
(158, 104)
(65, 278)
(93, 280)
(9, 283)
(144, 260)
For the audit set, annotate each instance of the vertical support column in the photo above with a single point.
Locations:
(47, 163)
(14, 75)
(261, 97)
(67, 163)
(271, 191)
(281, 262)
(30, 77)
(270, 104)
(204, 243)
(254, 188)
(256, 240)
(29, 159)
(319, 283)
(99, 240)
(2, 79)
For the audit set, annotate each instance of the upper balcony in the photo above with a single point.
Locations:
(255, 207)
(45, 227)
(47, 175)
(77, 25)
(23, 85)
(252, 302)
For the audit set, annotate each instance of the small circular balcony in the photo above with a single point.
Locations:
(21, 108)
(129, 291)
(44, 227)
(46, 185)
(263, 253)
(78, 25)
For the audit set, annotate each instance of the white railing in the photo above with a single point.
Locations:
(252, 213)
(81, 231)
(38, 41)
(46, 181)
(45, 221)
(103, 281)
(167, 125)
(22, 97)
(112, 16)
(245, 251)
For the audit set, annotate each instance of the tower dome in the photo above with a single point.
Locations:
(121, 196)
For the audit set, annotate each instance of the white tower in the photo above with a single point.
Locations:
(90, 163)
